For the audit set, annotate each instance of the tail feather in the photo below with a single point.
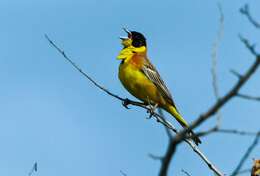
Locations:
(173, 111)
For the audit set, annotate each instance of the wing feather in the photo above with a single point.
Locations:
(152, 74)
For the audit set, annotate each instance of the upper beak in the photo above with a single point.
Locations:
(127, 31)
(128, 34)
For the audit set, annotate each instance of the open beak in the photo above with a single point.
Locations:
(126, 41)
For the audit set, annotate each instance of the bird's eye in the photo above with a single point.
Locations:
(133, 51)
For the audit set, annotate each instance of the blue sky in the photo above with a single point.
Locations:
(53, 115)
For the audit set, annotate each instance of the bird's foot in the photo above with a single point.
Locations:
(125, 103)
(151, 110)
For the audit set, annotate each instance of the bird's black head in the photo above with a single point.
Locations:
(138, 39)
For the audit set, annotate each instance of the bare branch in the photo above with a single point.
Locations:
(172, 148)
(226, 98)
(203, 157)
(246, 155)
(142, 105)
(242, 79)
(223, 100)
(185, 172)
(248, 97)
(245, 11)
(167, 159)
(168, 131)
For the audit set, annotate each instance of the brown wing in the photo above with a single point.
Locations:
(152, 74)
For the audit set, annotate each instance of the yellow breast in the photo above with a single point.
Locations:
(138, 84)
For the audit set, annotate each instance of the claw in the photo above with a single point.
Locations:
(150, 114)
(125, 103)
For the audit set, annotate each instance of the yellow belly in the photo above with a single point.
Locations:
(139, 85)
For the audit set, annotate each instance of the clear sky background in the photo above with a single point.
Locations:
(51, 114)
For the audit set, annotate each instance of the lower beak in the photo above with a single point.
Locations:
(123, 38)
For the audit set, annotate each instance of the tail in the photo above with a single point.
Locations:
(173, 111)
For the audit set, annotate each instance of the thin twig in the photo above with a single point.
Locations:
(34, 169)
(249, 46)
(215, 129)
(124, 174)
(127, 102)
(243, 171)
(234, 72)
(214, 59)
(245, 11)
(207, 132)
(237, 132)
(203, 157)
(248, 97)
(155, 157)
(246, 155)
(185, 172)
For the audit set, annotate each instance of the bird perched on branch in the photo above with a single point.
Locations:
(142, 80)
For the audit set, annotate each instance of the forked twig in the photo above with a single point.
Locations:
(245, 11)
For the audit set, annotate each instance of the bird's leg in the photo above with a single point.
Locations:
(151, 109)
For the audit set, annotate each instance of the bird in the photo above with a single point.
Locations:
(141, 79)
